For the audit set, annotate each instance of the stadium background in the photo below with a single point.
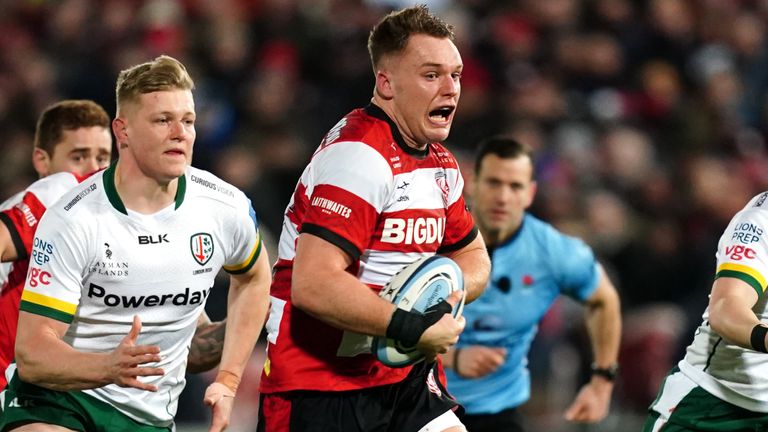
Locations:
(648, 118)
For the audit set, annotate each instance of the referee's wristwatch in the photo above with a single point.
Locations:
(608, 373)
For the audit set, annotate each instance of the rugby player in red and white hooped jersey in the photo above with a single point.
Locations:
(72, 141)
(379, 193)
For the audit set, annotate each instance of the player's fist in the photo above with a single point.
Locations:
(220, 398)
(444, 333)
(475, 361)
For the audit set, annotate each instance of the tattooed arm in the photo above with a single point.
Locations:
(207, 344)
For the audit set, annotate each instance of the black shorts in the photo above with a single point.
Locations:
(406, 406)
(508, 420)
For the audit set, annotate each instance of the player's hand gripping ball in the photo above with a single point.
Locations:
(417, 287)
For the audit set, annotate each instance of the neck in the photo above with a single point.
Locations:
(495, 237)
(143, 194)
(491, 237)
(387, 105)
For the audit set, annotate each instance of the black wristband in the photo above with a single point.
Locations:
(608, 373)
(407, 327)
(757, 338)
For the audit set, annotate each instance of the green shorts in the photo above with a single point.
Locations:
(22, 403)
(683, 406)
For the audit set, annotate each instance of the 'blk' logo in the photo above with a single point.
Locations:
(201, 245)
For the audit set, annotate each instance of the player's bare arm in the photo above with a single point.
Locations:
(207, 345)
(247, 304)
(603, 319)
(7, 248)
(476, 266)
(730, 310)
(324, 289)
(39, 340)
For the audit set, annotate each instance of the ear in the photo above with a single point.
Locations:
(120, 129)
(531, 194)
(41, 160)
(384, 85)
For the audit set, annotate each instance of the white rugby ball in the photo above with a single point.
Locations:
(418, 286)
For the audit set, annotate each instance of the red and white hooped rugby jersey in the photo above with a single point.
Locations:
(386, 205)
(21, 216)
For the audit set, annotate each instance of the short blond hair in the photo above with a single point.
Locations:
(162, 73)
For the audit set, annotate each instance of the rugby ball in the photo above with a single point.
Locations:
(418, 286)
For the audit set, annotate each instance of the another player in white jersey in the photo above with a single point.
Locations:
(722, 383)
(72, 141)
(121, 269)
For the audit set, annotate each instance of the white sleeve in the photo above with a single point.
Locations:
(245, 246)
(742, 252)
(355, 168)
(57, 265)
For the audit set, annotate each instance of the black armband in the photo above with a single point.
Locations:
(757, 338)
(407, 327)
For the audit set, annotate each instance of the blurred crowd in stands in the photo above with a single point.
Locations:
(649, 120)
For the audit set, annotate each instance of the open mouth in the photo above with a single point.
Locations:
(442, 114)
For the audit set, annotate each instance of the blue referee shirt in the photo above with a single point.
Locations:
(534, 266)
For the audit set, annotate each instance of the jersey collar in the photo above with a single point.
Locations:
(376, 112)
(508, 240)
(117, 203)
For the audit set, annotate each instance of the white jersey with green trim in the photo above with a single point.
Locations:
(95, 265)
(728, 371)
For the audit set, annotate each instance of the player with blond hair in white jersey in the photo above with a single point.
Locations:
(72, 141)
(722, 383)
(121, 269)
